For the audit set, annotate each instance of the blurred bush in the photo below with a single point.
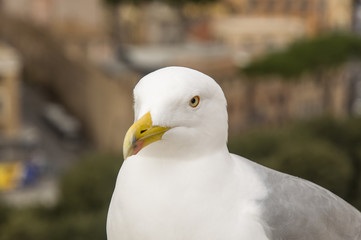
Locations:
(89, 185)
(4, 216)
(325, 151)
(317, 161)
(81, 211)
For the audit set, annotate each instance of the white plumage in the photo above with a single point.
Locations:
(179, 182)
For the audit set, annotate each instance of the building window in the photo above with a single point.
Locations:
(1, 107)
(3, 104)
(357, 16)
(254, 5)
(321, 6)
(271, 5)
(304, 6)
(288, 5)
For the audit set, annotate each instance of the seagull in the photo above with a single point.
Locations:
(179, 181)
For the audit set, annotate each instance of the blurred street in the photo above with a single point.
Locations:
(60, 151)
(49, 148)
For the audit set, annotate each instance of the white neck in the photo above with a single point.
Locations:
(154, 195)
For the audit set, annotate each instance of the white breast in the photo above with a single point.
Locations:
(199, 199)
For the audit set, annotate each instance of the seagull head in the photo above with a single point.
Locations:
(179, 112)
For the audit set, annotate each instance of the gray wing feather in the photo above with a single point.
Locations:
(296, 209)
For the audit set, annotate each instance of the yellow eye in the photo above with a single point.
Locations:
(194, 101)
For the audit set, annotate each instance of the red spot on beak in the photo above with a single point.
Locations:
(138, 146)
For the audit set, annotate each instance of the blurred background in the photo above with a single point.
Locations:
(290, 70)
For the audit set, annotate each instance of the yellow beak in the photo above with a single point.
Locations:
(141, 134)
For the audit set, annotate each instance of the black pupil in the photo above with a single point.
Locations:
(193, 100)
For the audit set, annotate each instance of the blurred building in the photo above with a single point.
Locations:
(9, 91)
(357, 16)
(212, 39)
(252, 36)
(248, 27)
(9, 113)
(258, 26)
(25, 148)
(317, 15)
(80, 24)
(79, 16)
(275, 102)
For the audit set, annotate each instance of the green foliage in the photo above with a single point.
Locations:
(25, 224)
(5, 214)
(90, 225)
(88, 185)
(325, 151)
(318, 161)
(81, 212)
(308, 55)
(29, 224)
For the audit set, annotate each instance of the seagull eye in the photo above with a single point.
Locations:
(194, 101)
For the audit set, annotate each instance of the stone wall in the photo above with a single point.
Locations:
(274, 101)
(102, 103)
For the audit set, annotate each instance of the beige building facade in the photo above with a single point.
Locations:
(318, 15)
(9, 91)
(79, 16)
(259, 26)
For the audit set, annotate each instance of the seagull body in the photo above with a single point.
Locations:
(179, 181)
